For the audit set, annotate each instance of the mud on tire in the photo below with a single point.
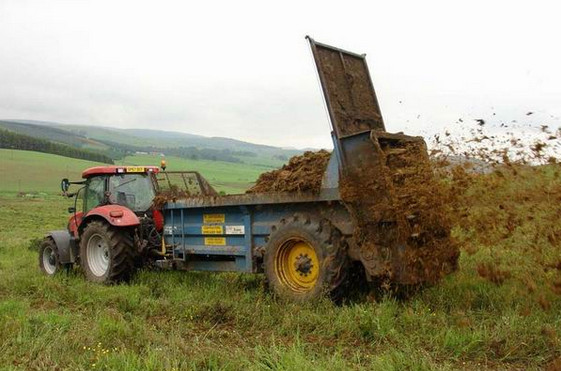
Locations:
(106, 253)
(329, 247)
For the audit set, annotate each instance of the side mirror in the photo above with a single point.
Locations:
(64, 185)
(71, 210)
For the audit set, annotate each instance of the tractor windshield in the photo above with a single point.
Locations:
(135, 191)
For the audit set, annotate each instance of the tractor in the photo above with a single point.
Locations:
(367, 216)
(117, 228)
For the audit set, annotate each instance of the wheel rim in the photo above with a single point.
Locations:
(297, 265)
(49, 260)
(98, 255)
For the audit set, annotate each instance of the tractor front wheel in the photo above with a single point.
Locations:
(106, 253)
(305, 259)
(48, 257)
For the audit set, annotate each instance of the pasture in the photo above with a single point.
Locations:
(500, 310)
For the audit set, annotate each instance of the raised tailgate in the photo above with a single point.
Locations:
(347, 89)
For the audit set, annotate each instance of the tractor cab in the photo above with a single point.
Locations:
(119, 194)
(133, 187)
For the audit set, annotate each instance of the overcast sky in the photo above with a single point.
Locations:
(243, 69)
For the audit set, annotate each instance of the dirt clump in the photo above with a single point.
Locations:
(556, 287)
(216, 313)
(302, 174)
(544, 302)
(554, 365)
(492, 273)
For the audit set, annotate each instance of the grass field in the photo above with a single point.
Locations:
(504, 317)
(27, 171)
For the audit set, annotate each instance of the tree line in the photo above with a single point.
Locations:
(13, 140)
(120, 150)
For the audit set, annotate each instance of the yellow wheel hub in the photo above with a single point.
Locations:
(297, 265)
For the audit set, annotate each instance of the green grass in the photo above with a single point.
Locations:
(181, 320)
(27, 171)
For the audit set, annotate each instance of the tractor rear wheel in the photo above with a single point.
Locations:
(48, 257)
(106, 253)
(305, 259)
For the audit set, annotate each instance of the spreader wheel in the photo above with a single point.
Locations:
(305, 259)
(106, 253)
(297, 265)
(48, 257)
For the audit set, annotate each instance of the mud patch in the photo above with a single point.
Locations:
(302, 174)
(216, 313)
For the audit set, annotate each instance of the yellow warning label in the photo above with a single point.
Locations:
(216, 241)
(214, 218)
(212, 229)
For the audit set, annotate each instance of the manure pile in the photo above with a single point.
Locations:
(409, 198)
(401, 214)
(393, 200)
(302, 174)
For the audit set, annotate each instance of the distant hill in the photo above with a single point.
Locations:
(118, 143)
(13, 140)
(167, 139)
(53, 133)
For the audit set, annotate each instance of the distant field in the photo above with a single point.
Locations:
(26, 171)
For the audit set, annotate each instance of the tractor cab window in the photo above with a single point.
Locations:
(95, 190)
(135, 191)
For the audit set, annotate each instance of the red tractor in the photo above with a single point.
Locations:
(117, 228)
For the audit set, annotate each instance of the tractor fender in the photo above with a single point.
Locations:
(116, 215)
(65, 244)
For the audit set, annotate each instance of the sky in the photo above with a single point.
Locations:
(243, 69)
